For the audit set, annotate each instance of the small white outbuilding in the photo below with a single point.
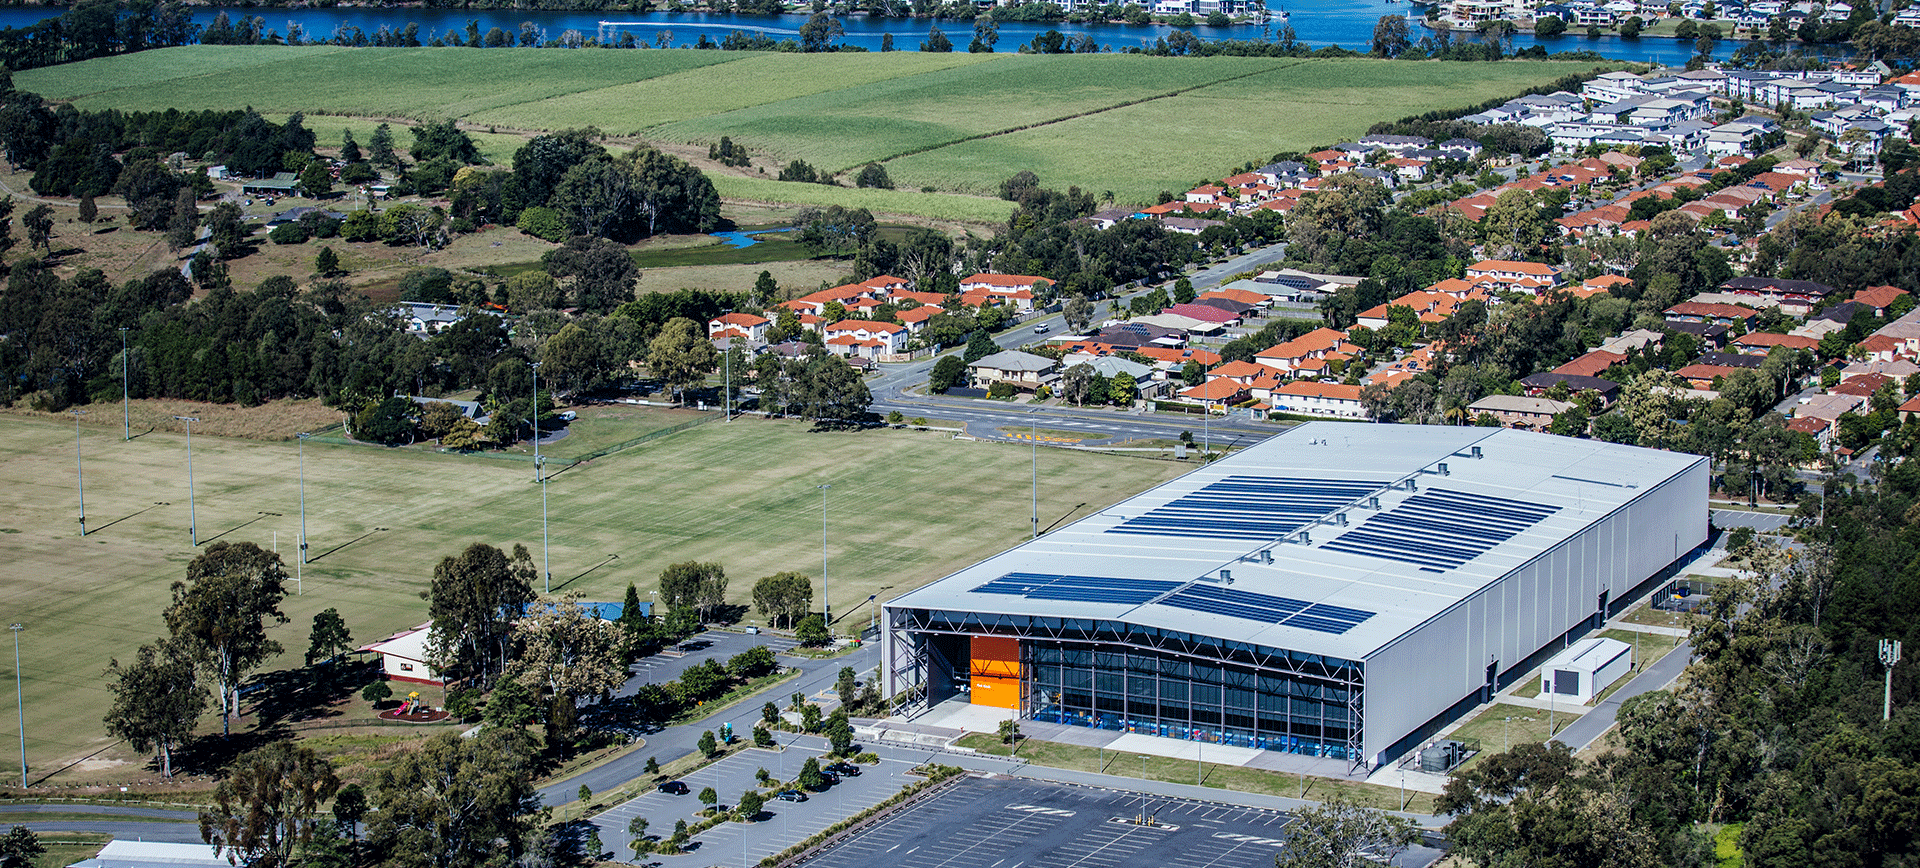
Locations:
(1585, 668)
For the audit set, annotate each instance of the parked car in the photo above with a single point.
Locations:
(674, 788)
(791, 796)
(844, 769)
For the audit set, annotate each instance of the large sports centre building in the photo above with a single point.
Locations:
(1340, 590)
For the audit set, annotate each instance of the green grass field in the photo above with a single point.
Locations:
(906, 507)
(959, 123)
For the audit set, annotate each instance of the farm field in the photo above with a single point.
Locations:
(957, 123)
(906, 507)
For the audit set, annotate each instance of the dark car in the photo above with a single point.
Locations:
(845, 770)
(674, 788)
(791, 796)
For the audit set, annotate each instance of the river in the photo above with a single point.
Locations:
(1347, 23)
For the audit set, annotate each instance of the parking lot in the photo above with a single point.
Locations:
(712, 644)
(782, 824)
(1013, 822)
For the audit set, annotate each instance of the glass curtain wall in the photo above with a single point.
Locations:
(1135, 690)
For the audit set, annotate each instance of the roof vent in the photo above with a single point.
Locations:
(1373, 502)
(1266, 556)
(1412, 484)
(1226, 576)
(1341, 518)
(1305, 539)
(1443, 469)
(1476, 452)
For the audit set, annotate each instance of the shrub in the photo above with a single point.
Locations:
(543, 223)
(377, 692)
(288, 233)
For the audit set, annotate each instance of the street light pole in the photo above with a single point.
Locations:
(826, 596)
(1033, 441)
(299, 581)
(193, 514)
(79, 475)
(19, 701)
(536, 423)
(126, 413)
(546, 560)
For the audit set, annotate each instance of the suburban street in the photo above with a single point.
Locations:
(896, 385)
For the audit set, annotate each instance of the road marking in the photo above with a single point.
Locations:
(1038, 809)
(1250, 839)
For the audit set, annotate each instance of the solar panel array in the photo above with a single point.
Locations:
(1266, 608)
(1441, 529)
(1247, 508)
(1078, 589)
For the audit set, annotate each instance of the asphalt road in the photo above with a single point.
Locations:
(817, 678)
(185, 831)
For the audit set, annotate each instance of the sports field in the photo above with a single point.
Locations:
(958, 123)
(905, 508)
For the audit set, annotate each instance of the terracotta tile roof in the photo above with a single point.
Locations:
(853, 325)
(1218, 389)
(1591, 364)
(1865, 384)
(1769, 339)
(1007, 281)
(1239, 369)
(739, 319)
(1878, 297)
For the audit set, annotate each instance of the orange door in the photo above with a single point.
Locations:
(995, 671)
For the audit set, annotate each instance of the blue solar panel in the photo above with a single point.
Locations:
(1266, 608)
(1246, 508)
(1077, 589)
(1441, 529)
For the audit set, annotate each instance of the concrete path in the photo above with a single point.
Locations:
(1588, 729)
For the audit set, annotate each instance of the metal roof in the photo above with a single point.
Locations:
(1328, 549)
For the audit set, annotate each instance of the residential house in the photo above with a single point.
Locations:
(1537, 385)
(1879, 298)
(1287, 357)
(752, 327)
(1821, 430)
(915, 319)
(1025, 371)
(1721, 314)
(1592, 364)
(1528, 277)
(1760, 343)
(1310, 398)
(1793, 296)
(1829, 407)
(1520, 411)
(1705, 376)
(1216, 394)
(867, 339)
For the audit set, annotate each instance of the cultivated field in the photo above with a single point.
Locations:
(958, 123)
(906, 507)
